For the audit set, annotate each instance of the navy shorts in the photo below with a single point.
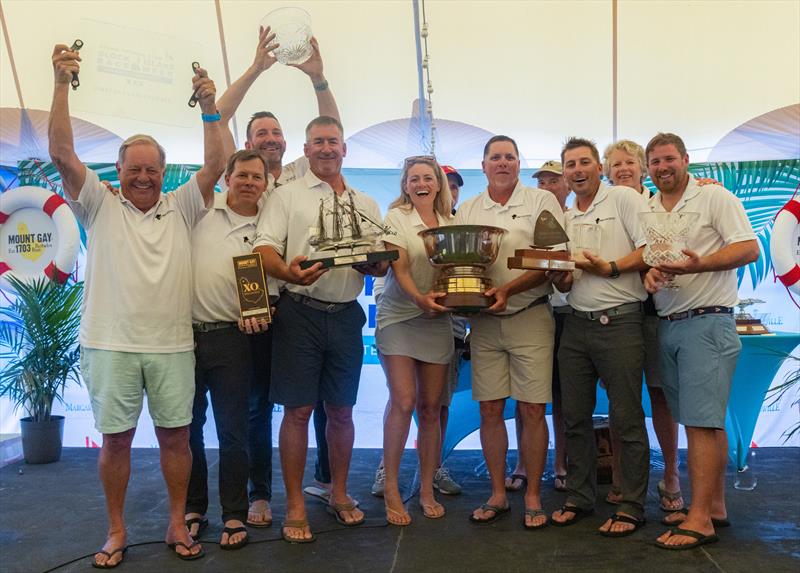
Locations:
(316, 355)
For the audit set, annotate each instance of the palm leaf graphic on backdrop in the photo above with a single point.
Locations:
(763, 187)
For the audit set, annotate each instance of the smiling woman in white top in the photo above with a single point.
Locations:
(414, 334)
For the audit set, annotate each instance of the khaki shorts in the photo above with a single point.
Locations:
(512, 356)
(118, 381)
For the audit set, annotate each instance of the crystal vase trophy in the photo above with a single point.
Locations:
(461, 253)
(346, 236)
(667, 234)
(292, 28)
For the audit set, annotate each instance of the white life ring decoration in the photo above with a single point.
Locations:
(785, 245)
(39, 235)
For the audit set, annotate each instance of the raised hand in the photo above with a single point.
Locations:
(266, 45)
(313, 65)
(206, 91)
(65, 63)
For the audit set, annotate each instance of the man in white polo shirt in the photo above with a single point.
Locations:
(136, 334)
(229, 353)
(697, 334)
(512, 343)
(265, 135)
(318, 348)
(602, 338)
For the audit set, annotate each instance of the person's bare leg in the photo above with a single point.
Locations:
(176, 465)
(534, 443)
(430, 381)
(707, 458)
(114, 467)
(519, 469)
(396, 422)
(494, 441)
(666, 429)
(340, 434)
(293, 441)
(444, 417)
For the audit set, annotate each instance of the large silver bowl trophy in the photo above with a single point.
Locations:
(461, 254)
(667, 235)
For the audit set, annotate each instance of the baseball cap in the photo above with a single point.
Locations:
(551, 166)
(452, 171)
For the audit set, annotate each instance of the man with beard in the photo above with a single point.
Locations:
(697, 333)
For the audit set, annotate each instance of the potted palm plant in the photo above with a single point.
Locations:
(39, 354)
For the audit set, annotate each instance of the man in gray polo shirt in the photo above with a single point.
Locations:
(602, 338)
(136, 332)
(318, 348)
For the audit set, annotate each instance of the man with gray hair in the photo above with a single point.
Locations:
(136, 330)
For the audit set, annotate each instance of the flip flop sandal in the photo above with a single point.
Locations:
(701, 540)
(296, 524)
(336, 510)
(123, 550)
(534, 513)
(190, 556)
(618, 517)
(498, 513)
(715, 521)
(259, 524)
(563, 480)
(517, 477)
(427, 511)
(397, 516)
(202, 524)
(669, 496)
(579, 512)
(233, 531)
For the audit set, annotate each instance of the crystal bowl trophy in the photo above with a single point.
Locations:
(461, 253)
(667, 234)
(747, 323)
(547, 233)
(292, 28)
(346, 236)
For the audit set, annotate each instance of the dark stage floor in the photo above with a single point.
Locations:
(53, 514)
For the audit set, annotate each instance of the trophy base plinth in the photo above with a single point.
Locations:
(466, 302)
(351, 259)
(750, 326)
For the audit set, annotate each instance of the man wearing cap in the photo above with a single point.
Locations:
(512, 343)
(318, 347)
(265, 135)
(602, 338)
(697, 332)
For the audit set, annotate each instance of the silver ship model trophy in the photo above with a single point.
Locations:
(352, 238)
(746, 323)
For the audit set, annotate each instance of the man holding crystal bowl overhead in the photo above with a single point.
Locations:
(697, 331)
(512, 343)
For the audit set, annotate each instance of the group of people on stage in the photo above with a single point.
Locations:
(161, 319)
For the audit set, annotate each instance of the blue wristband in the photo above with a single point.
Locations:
(210, 117)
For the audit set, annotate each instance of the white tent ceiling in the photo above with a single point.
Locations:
(536, 70)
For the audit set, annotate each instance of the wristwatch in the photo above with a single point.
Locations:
(614, 270)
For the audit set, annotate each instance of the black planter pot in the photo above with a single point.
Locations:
(41, 441)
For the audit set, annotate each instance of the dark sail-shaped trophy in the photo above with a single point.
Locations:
(460, 254)
(346, 236)
(547, 233)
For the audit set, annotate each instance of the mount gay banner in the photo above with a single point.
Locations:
(762, 186)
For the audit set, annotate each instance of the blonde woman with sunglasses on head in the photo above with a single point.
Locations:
(414, 334)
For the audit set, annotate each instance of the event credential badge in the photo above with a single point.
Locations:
(252, 287)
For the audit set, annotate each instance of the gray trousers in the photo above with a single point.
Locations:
(614, 352)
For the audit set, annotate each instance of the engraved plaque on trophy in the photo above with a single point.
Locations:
(547, 233)
(461, 254)
(251, 285)
(346, 236)
(747, 323)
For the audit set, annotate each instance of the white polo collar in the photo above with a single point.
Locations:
(514, 201)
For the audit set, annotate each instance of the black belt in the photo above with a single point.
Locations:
(698, 312)
(609, 313)
(316, 304)
(209, 326)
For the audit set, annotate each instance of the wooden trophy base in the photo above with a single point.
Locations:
(351, 259)
(749, 326)
(466, 302)
(541, 260)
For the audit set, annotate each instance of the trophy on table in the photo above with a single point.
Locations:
(747, 323)
(667, 235)
(547, 233)
(351, 238)
(292, 28)
(461, 254)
